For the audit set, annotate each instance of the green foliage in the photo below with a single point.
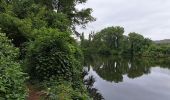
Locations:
(52, 54)
(111, 41)
(104, 50)
(136, 43)
(157, 50)
(18, 18)
(57, 20)
(42, 30)
(107, 41)
(12, 86)
(63, 90)
(110, 36)
(21, 8)
(20, 30)
(68, 7)
(16, 29)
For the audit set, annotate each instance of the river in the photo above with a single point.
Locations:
(127, 78)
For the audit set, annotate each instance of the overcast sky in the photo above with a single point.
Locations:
(150, 18)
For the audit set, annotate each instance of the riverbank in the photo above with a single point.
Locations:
(57, 90)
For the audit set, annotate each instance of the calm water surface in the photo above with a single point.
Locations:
(117, 78)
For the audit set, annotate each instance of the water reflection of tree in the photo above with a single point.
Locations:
(138, 68)
(92, 91)
(110, 69)
(113, 68)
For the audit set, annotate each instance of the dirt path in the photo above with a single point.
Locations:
(34, 94)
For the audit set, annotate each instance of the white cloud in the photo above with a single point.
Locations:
(150, 18)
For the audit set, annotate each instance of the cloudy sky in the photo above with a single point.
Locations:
(150, 18)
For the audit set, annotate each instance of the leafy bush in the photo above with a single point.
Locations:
(54, 59)
(12, 78)
(63, 90)
(52, 54)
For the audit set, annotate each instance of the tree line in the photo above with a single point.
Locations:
(112, 41)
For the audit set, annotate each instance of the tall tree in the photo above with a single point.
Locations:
(22, 17)
(136, 42)
(112, 36)
(68, 7)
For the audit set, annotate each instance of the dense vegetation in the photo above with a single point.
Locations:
(42, 47)
(111, 41)
(12, 79)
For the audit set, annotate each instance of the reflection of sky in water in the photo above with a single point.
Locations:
(153, 86)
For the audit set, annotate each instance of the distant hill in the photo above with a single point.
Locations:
(165, 41)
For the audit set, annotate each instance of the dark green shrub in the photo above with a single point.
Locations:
(52, 55)
(12, 86)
